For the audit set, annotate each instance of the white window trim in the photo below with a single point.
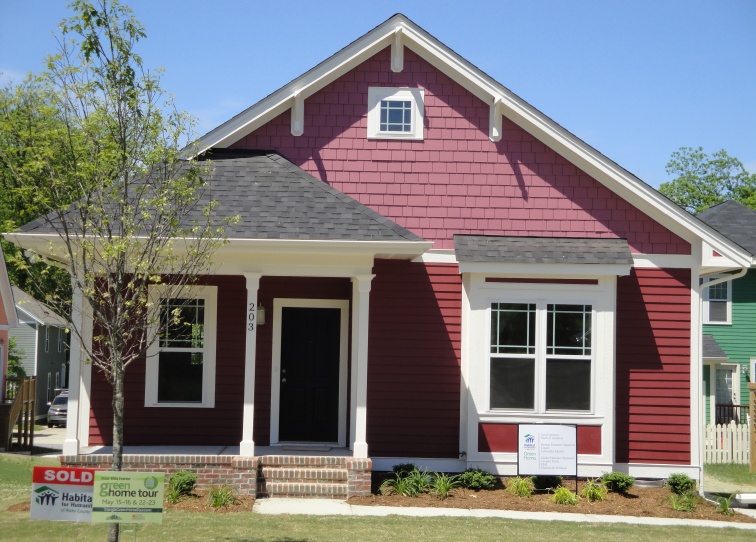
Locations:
(47, 339)
(210, 295)
(60, 339)
(415, 95)
(705, 302)
(476, 329)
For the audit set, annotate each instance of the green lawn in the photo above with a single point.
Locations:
(15, 486)
(738, 477)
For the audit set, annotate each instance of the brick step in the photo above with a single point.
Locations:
(297, 489)
(308, 461)
(303, 474)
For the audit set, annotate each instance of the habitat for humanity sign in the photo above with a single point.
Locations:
(128, 497)
(62, 494)
(547, 450)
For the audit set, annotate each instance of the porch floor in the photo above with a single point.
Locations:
(295, 450)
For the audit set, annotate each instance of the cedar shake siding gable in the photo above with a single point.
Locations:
(455, 180)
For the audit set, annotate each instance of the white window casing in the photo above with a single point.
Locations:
(407, 113)
(717, 303)
(209, 296)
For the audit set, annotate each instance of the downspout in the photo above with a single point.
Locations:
(701, 433)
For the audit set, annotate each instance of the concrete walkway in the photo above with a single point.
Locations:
(325, 507)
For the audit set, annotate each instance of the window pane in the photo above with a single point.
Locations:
(512, 383)
(569, 330)
(180, 377)
(568, 384)
(512, 328)
(718, 292)
(717, 311)
(396, 116)
(182, 323)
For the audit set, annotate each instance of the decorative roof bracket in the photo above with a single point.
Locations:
(297, 115)
(494, 123)
(397, 52)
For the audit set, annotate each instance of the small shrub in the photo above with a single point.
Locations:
(409, 484)
(221, 496)
(685, 502)
(180, 483)
(593, 490)
(619, 482)
(562, 495)
(547, 482)
(441, 484)
(522, 487)
(680, 483)
(475, 478)
(723, 505)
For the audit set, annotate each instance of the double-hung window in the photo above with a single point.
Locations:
(717, 303)
(541, 356)
(395, 113)
(181, 359)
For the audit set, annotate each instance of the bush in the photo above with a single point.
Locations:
(409, 484)
(724, 505)
(680, 483)
(685, 502)
(547, 482)
(180, 483)
(562, 495)
(441, 484)
(619, 482)
(221, 496)
(475, 478)
(522, 487)
(593, 490)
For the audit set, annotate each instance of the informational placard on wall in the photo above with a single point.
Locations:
(128, 497)
(62, 494)
(547, 450)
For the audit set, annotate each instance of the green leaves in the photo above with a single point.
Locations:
(701, 181)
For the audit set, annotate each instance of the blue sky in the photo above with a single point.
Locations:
(635, 79)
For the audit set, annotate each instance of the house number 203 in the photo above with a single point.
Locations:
(251, 317)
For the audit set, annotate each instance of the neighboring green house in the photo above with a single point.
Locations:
(729, 322)
(42, 335)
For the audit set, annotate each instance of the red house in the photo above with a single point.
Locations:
(437, 262)
(8, 320)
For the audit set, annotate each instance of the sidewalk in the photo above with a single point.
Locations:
(325, 507)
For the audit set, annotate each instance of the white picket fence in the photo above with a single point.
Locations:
(727, 443)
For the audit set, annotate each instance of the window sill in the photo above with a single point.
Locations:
(179, 405)
(526, 417)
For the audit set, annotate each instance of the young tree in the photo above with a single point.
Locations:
(95, 148)
(701, 181)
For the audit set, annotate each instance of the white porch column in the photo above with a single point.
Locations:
(247, 445)
(360, 320)
(80, 376)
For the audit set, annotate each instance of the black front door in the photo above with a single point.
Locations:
(309, 399)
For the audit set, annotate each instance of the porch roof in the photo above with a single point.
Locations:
(276, 200)
(711, 349)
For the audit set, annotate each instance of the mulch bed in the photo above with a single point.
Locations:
(639, 502)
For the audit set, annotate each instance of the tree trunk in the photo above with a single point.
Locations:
(117, 465)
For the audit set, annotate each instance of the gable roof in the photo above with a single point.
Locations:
(399, 32)
(38, 311)
(710, 348)
(734, 220)
(6, 293)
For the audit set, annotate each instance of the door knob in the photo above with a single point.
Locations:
(283, 380)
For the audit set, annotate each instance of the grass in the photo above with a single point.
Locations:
(729, 473)
(15, 486)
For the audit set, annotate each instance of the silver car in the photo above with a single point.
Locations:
(58, 411)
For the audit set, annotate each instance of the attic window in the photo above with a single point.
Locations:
(395, 113)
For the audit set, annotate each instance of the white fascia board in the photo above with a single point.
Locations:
(6, 293)
(31, 316)
(544, 270)
(406, 249)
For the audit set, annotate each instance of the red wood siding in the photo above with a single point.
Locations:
(221, 425)
(653, 366)
(455, 180)
(502, 437)
(414, 360)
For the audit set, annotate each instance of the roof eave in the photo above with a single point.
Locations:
(9, 305)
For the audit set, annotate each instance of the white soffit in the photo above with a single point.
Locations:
(399, 31)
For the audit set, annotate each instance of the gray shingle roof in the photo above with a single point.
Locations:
(483, 249)
(38, 310)
(734, 220)
(711, 348)
(277, 200)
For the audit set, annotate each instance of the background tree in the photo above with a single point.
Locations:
(95, 149)
(701, 181)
